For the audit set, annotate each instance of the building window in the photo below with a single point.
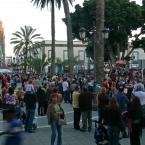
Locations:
(65, 55)
(81, 55)
(49, 55)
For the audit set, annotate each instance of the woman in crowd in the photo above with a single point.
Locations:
(54, 112)
(113, 119)
(85, 104)
(102, 102)
(135, 115)
(9, 99)
(76, 108)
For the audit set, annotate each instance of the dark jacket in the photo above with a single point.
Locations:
(103, 100)
(30, 100)
(112, 117)
(85, 101)
(135, 114)
(41, 96)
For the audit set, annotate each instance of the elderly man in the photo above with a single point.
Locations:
(139, 92)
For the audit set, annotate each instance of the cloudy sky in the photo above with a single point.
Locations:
(17, 13)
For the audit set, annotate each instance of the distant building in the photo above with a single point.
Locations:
(62, 53)
(2, 44)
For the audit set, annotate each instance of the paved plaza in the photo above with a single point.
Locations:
(70, 136)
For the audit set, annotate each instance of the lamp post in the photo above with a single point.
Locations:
(82, 34)
(105, 35)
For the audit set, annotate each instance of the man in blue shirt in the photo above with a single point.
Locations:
(14, 131)
(123, 103)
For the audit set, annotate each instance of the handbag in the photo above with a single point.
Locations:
(62, 119)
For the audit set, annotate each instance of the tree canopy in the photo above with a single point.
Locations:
(121, 17)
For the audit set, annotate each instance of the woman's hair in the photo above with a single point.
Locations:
(113, 105)
(103, 90)
(4, 91)
(135, 101)
(53, 95)
(11, 91)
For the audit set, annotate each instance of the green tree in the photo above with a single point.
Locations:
(99, 47)
(38, 64)
(42, 4)
(69, 33)
(59, 64)
(121, 17)
(26, 41)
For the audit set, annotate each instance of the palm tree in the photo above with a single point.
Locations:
(42, 4)
(69, 33)
(99, 51)
(59, 64)
(38, 64)
(26, 41)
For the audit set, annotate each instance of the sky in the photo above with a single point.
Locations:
(18, 13)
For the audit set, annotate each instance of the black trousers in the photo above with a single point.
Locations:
(77, 116)
(135, 134)
(42, 108)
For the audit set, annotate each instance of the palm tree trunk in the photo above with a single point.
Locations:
(53, 37)
(26, 56)
(69, 36)
(99, 50)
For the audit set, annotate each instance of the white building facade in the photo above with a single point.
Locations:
(61, 50)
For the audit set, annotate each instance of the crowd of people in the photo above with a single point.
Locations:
(120, 100)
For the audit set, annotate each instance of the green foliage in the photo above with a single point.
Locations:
(121, 17)
(26, 41)
(38, 64)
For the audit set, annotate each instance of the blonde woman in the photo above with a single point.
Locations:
(54, 113)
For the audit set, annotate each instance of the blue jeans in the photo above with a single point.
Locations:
(113, 134)
(30, 113)
(55, 128)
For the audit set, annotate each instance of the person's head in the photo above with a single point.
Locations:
(139, 87)
(55, 90)
(113, 104)
(121, 89)
(11, 90)
(54, 98)
(77, 88)
(103, 90)
(4, 91)
(30, 81)
(84, 89)
(9, 114)
(135, 101)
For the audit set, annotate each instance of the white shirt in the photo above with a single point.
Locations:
(141, 96)
(65, 86)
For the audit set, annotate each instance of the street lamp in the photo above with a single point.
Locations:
(82, 33)
(105, 33)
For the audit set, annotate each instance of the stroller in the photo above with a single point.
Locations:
(100, 134)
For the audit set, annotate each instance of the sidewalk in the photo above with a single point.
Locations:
(70, 137)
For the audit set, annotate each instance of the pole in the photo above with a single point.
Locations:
(99, 48)
(142, 69)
